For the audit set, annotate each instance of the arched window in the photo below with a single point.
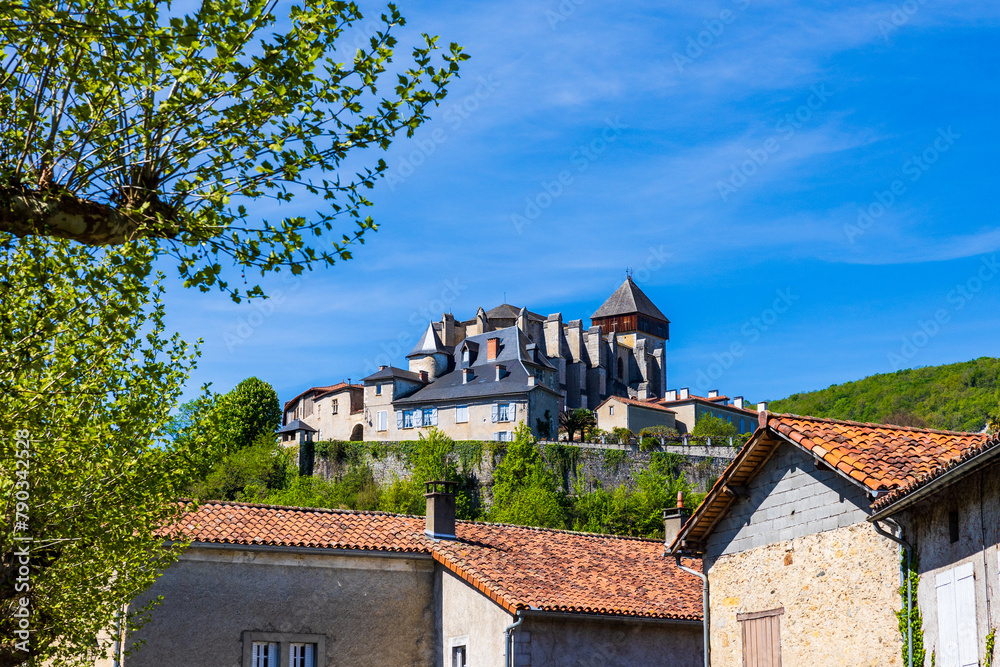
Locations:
(621, 369)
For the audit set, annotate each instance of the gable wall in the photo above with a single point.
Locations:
(789, 498)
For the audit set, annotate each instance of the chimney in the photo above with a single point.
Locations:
(762, 414)
(492, 348)
(713, 393)
(683, 394)
(423, 376)
(673, 519)
(467, 375)
(670, 395)
(738, 402)
(440, 497)
(383, 367)
(501, 371)
(762, 407)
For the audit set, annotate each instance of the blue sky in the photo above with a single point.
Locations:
(807, 192)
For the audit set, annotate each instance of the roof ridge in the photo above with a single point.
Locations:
(914, 429)
(558, 530)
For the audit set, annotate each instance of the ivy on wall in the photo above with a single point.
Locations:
(916, 620)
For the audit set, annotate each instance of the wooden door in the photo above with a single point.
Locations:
(761, 638)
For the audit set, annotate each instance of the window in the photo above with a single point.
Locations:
(958, 636)
(283, 649)
(380, 421)
(462, 414)
(503, 412)
(411, 418)
(953, 526)
(502, 436)
(302, 655)
(264, 654)
(465, 355)
(333, 407)
(611, 410)
(458, 656)
(761, 638)
(621, 369)
(378, 390)
(430, 417)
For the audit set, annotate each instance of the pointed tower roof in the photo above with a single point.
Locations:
(429, 343)
(626, 300)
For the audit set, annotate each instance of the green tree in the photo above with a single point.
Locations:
(716, 428)
(250, 473)
(249, 411)
(88, 373)
(577, 421)
(124, 120)
(524, 491)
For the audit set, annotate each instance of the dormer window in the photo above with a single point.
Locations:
(465, 356)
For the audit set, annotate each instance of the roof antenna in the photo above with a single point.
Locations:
(628, 273)
(505, 297)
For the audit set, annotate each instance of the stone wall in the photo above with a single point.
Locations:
(838, 589)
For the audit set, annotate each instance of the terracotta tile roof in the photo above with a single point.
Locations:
(949, 466)
(323, 390)
(879, 457)
(652, 403)
(516, 566)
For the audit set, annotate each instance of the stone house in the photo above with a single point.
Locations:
(264, 586)
(479, 390)
(335, 411)
(633, 414)
(689, 409)
(950, 518)
(796, 570)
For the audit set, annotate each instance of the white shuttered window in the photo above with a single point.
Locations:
(461, 414)
(381, 423)
(264, 654)
(958, 638)
(302, 655)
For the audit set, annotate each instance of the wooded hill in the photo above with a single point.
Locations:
(959, 397)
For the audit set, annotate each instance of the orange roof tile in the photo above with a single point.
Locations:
(650, 403)
(517, 566)
(881, 457)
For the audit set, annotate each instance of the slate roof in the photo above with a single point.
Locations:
(297, 425)
(626, 300)
(878, 457)
(390, 372)
(515, 566)
(513, 353)
(507, 312)
(429, 343)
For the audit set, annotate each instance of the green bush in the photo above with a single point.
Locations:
(622, 435)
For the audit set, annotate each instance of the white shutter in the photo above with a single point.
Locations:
(310, 655)
(947, 619)
(399, 419)
(965, 608)
(512, 412)
(496, 409)
(434, 416)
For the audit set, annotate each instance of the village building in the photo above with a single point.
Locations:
(688, 410)
(264, 586)
(335, 412)
(797, 569)
(633, 414)
(950, 519)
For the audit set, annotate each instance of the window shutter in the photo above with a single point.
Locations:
(947, 620)
(399, 419)
(496, 409)
(434, 416)
(965, 607)
(512, 412)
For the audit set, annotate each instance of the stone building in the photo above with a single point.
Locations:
(688, 409)
(335, 412)
(950, 518)
(796, 570)
(264, 586)
(633, 414)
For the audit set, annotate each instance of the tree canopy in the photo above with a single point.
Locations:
(123, 120)
(248, 412)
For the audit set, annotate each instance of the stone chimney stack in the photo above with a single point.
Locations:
(467, 374)
(424, 377)
(670, 395)
(673, 519)
(713, 393)
(683, 394)
(492, 348)
(738, 402)
(501, 371)
(440, 497)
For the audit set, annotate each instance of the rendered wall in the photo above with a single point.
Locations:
(839, 591)
(976, 498)
(372, 610)
(467, 617)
